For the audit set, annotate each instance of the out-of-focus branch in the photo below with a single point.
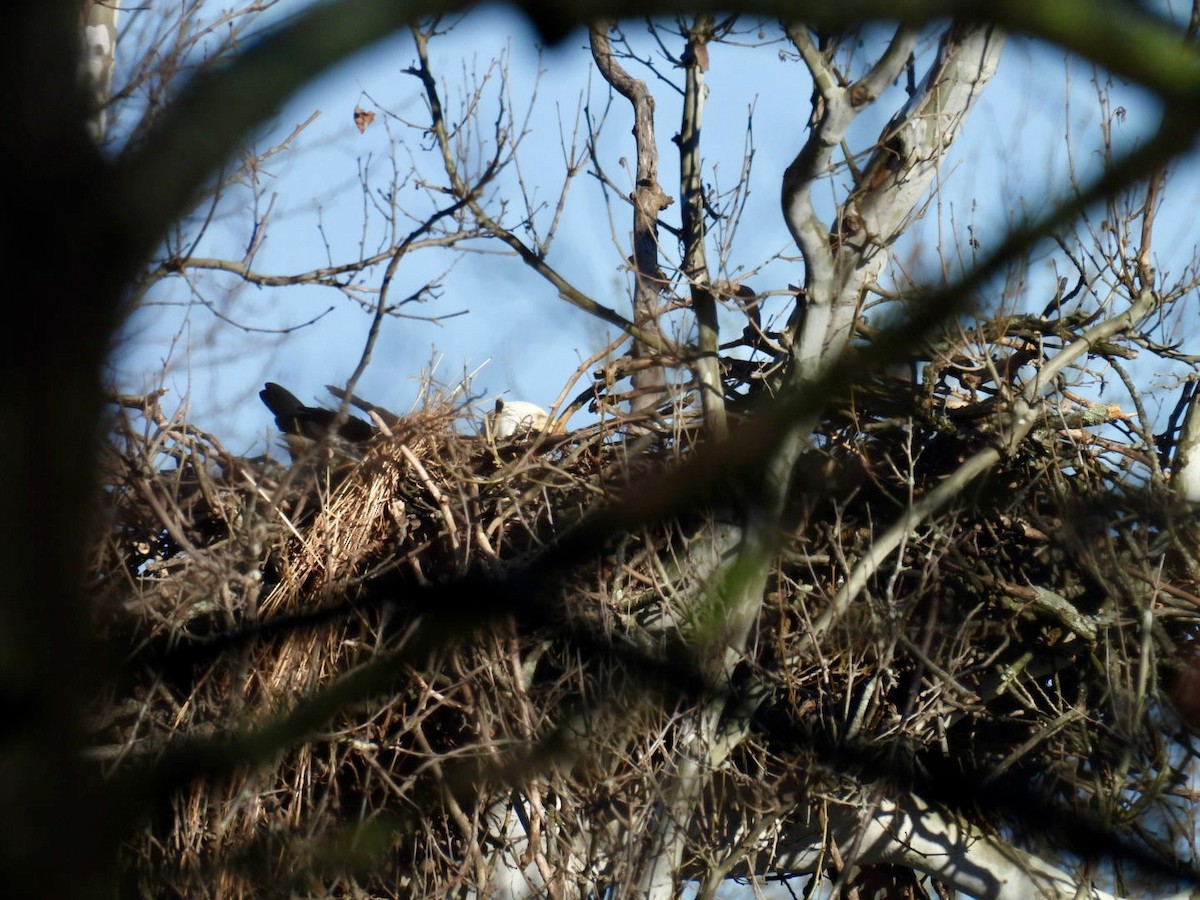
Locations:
(1132, 40)
(649, 199)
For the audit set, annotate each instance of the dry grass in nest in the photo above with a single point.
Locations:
(999, 641)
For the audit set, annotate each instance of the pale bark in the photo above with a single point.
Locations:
(649, 199)
(1185, 476)
(842, 262)
(916, 834)
(100, 20)
(838, 272)
(695, 266)
(879, 830)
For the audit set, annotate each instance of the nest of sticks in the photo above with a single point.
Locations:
(1037, 633)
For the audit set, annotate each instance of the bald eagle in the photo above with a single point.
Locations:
(517, 417)
(312, 422)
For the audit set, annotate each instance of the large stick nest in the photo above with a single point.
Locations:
(1027, 640)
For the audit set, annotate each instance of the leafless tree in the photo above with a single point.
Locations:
(878, 590)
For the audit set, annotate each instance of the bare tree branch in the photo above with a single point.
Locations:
(1023, 417)
(695, 263)
(649, 199)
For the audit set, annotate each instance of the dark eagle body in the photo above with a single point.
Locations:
(311, 422)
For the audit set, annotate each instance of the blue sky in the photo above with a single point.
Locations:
(1013, 151)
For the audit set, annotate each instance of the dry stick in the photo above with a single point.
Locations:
(324, 275)
(171, 523)
(381, 308)
(1177, 592)
(563, 414)
(535, 820)
(442, 501)
(1044, 733)
(746, 843)
(457, 814)
(566, 290)
(1024, 417)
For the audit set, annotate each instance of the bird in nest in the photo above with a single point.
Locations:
(517, 418)
(312, 422)
(305, 425)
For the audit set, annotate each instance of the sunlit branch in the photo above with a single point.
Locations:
(566, 290)
(695, 264)
(648, 200)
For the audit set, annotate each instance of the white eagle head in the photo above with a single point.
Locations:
(517, 417)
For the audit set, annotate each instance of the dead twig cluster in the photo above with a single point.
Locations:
(1031, 634)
